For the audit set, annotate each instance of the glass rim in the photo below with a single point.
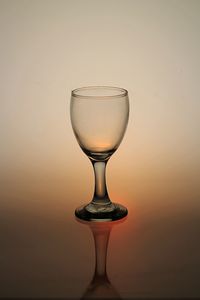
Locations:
(117, 92)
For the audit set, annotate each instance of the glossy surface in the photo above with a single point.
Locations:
(45, 252)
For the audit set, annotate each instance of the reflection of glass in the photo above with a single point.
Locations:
(99, 117)
(100, 286)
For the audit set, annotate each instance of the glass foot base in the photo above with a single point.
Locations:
(101, 215)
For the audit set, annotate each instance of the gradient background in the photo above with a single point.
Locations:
(48, 48)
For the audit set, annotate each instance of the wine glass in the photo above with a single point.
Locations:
(99, 117)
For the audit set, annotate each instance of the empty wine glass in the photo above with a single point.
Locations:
(99, 117)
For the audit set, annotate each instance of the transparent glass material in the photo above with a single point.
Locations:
(99, 117)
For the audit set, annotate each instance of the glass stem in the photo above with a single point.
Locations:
(100, 191)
